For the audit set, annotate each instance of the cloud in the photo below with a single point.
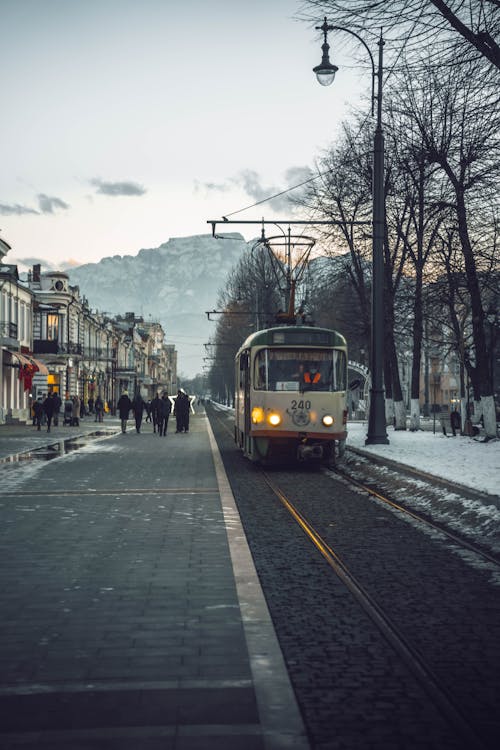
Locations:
(117, 188)
(48, 204)
(251, 183)
(15, 210)
(211, 187)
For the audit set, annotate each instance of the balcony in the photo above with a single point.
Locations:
(8, 334)
(45, 346)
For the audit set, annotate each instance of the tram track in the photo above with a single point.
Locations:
(421, 519)
(390, 621)
(459, 541)
(410, 655)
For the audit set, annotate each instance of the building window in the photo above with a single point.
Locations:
(52, 327)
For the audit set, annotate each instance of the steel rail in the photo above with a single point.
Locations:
(409, 655)
(459, 541)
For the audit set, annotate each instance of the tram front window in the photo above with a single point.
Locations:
(300, 370)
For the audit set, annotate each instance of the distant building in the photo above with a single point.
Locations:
(52, 341)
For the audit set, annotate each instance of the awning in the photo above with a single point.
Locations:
(42, 368)
(25, 359)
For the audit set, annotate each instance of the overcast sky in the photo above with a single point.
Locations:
(127, 122)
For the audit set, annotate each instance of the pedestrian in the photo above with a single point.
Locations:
(155, 411)
(99, 409)
(75, 421)
(49, 406)
(38, 413)
(181, 411)
(455, 421)
(147, 406)
(124, 406)
(138, 409)
(57, 408)
(165, 407)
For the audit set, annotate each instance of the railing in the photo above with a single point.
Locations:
(45, 346)
(8, 329)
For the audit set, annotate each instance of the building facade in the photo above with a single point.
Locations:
(51, 340)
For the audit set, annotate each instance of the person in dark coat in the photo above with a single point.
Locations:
(138, 409)
(124, 406)
(455, 422)
(165, 408)
(38, 413)
(99, 409)
(155, 411)
(57, 408)
(181, 411)
(49, 407)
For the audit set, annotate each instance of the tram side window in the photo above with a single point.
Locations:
(339, 370)
(260, 374)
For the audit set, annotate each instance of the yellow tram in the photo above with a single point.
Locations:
(291, 395)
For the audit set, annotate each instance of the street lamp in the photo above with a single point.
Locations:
(325, 73)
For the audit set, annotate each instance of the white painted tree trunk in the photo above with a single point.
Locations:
(463, 412)
(414, 414)
(478, 412)
(389, 411)
(490, 421)
(400, 415)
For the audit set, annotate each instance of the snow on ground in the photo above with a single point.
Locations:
(460, 459)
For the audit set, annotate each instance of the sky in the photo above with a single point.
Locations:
(128, 122)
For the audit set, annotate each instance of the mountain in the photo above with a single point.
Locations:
(174, 284)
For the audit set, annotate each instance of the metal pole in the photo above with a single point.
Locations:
(377, 433)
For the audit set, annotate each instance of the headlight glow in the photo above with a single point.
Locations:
(274, 419)
(328, 420)
(257, 414)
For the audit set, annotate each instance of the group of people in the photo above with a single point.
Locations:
(159, 410)
(47, 411)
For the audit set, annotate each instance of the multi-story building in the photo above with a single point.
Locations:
(52, 341)
(19, 368)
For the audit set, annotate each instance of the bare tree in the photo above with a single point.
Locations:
(456, 29)
(457, 116)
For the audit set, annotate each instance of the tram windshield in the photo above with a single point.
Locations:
(300, 370)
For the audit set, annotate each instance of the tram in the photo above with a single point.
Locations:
(291, 395)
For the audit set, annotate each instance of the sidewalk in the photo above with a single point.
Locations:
(16, 438)
(132, 616)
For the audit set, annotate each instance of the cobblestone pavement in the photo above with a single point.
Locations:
(122, 624)
(353, 688)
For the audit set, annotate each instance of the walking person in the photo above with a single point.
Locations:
(138, 409)
(124, 406)
(38, 413)
(49, 406)
(99, 409)
(164, 413)
(181, 411)
(155, 411)
(57, 407)
(75, 421)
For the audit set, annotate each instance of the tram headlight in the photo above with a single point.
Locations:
(274, 419)
(328, 420)
(257, 415)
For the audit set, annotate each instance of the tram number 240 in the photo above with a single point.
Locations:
(301, 404)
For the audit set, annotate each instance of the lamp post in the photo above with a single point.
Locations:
(325, 73)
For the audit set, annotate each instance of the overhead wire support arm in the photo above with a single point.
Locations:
(304, 222)
(208, 313)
